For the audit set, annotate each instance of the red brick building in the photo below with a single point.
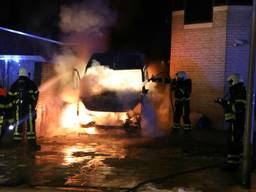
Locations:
(210, 51)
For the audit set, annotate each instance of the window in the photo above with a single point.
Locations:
(199, 11)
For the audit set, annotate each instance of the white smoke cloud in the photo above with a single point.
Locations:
(85, 27)
(93, 16)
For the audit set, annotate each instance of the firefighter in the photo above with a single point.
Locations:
(24, 94)
(3, 94)
(182, 87)
(234, 113)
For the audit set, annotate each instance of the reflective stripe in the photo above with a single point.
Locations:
(232, 161)
(1, 118)
(181, 90)
(182, 99)
(33, 92)
(240, 101)
(187, 127)
(31, 137)
(233, 156)
(2, 106)
(13, 93)
(9, 105)
(17, 121)
(229, 116)
(17, 138)
(30, 120)
(176, 126)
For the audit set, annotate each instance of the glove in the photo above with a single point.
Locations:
(10, 121)
(218, 100)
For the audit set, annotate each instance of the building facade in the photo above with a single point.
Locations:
(209, 52)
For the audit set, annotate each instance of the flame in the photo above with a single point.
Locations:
(73, 120)
(73, 116)
(100, 78)
(91, 130)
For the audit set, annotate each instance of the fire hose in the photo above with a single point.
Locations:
(76, 74)
(161, 179)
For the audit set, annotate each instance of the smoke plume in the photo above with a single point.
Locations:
(85, 29)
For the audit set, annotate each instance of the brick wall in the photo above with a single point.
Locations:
(200, 49)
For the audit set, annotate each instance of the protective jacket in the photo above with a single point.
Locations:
(23, 95)
(234, 109)
(182, 91)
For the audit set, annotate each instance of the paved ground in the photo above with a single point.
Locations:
(114, 161)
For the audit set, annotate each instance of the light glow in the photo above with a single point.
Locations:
(11, 127)
(102, 78)
(30, 35)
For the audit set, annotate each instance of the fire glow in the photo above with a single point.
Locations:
(73, 116)
(97, 80)
(102, 78)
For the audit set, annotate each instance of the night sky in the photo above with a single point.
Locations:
(142, 25)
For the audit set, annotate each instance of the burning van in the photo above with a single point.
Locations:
(113, 86)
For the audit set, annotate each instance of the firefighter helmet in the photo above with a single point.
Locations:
(181, 75)
(234, 79)
(23, 72)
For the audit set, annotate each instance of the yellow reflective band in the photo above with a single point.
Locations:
(233, 156)
(30, 120)
(2, 106)
(31, 137)
(17, 121)
(181, 90)
(175, 125)
(17, 138)
(33, 92)
(12, 94)
(232, 161)
(240, 101)
(230, 116)
(9, 105)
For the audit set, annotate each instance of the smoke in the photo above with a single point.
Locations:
(157, 104)
(86, 26)
(85, 29)
(90, 17)
(100, 78)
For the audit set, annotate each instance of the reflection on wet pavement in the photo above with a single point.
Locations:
(117, 161)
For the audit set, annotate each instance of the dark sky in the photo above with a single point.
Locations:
(142, 25)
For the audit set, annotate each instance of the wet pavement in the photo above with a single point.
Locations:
(115, 161)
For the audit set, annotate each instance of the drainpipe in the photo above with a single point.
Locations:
(249, 120)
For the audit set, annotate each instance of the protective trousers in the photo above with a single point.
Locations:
(182, 108)
(235, 143)
(1, 124)
(25, 124)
